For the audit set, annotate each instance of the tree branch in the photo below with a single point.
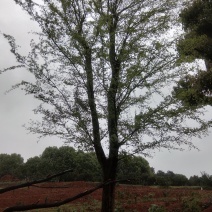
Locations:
(56, 204)
(11, 188)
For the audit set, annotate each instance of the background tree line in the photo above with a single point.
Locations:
(85, 167)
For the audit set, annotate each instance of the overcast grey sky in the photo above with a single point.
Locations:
(16, 108)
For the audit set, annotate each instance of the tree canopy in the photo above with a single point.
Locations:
(85, 167)
(197, 22)
(196, 89)
(11, 164)
(98, 67)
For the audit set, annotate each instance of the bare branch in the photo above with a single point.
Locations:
(56, 204)
(11, 188)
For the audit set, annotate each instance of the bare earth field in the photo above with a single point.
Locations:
(128, 198)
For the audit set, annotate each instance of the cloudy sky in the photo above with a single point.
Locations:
(16, 108)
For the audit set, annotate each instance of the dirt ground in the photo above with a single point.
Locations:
(128, 197)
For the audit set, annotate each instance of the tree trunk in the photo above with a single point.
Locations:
(208, 64)
(110, 166)
(108, 192)
(108, 198)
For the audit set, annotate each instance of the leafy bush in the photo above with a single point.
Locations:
(191, 205)
(156, 208)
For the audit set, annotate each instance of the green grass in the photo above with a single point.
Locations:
(91, 205)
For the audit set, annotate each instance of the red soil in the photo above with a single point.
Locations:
(128, 197)
(8, 178)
